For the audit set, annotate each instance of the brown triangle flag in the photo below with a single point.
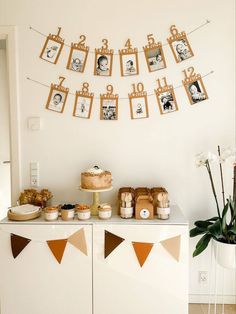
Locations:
(18, 244)
(142, 251)
(172, 246)
(111, 242)
(57, 248)
(78, 240)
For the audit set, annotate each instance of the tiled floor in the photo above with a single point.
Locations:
(203, 309)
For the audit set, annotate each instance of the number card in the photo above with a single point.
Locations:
(83, 102)
(52, 47)
(194, 86)
(129, 60)
(154, 54)
(138, 102)
(103, 60)
(78, 55)
(109, 105)
(179, 45)
(57, 96)
(165, 97)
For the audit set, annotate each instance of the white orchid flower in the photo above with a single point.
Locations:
(202, 158)
(227, 154)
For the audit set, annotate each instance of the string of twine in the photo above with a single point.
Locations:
(139, 51)
(38, 241)
(149, 94)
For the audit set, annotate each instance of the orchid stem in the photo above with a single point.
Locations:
(213, 187)
(221, 177)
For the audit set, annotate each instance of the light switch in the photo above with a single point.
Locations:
(34, 174)
(34, 123)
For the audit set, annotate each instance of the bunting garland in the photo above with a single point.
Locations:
(172, 246)
(142, 249)
(111, 241)
(57, 246)
(78, 240)
(18, 244)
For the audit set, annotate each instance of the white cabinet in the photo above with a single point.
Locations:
(122, 286)
(34, 283)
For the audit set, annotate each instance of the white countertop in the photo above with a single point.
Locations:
(176, 218)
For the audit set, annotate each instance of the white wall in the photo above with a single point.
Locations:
(155, 151)
(5, 175)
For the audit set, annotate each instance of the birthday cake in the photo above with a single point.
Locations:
(96, 179)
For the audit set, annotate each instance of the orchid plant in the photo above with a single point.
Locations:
(222, 227)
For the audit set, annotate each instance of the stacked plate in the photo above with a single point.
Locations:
(24, 212)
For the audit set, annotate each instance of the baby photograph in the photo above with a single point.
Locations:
(51, 51)
(155, 59)
(56, 100)
(83, 106)
(138, 107)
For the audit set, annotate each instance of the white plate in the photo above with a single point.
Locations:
(24, 209)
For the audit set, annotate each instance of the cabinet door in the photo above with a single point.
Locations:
(35, 283)
(122, 286)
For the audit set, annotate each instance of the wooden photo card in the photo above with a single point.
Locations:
(103, 60)
(138, 102)
(154, 55)
(194, 86)
(78, 56)
(179, 45)
(129, 60)
(83, 102)
(166, 98)
(109, 105)
(57, 97)
(52, 47)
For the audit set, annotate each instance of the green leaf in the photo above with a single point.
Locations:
(215, 229)
(202, 224)
(233, 230)
(202, 244)
(195, 232)
(213, 219)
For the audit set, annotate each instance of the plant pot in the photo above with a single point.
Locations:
(225, 254)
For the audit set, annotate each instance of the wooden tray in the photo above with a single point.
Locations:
(18, 217)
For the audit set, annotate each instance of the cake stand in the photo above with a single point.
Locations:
(96, 198)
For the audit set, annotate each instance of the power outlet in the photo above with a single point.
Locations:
(203, 277)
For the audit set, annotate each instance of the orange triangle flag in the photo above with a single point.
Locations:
(142, 251)
(57, 248)
(18, 244)
(172, 246)
(78, 240)
(111, 242)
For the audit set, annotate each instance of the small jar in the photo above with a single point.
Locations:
(83, 212)
(51, 213)
(126, 212)
(163, 213)
(67, 214)
(104, 211)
